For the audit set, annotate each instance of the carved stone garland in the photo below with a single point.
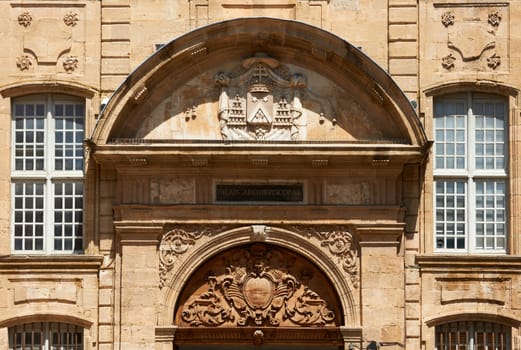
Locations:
(340, 243)
(257, 290)
(261, 101)
(176, 242)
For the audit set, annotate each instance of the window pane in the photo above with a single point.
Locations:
(490, 214)
(450, 135)
(68, 206)
(29, 128)
(489, 134)
(450, 214)
(69, 137)
(46, 335)
(472, 335)
(29, 214)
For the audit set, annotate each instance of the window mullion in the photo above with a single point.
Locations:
(49, 185)
(471, 168)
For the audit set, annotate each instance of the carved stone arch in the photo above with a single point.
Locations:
(509, 320)
(296, 44)
(487, 86)
(45, 86)
(296, 240)
(46, 317)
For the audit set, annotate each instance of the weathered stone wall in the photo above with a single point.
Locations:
(88, 48)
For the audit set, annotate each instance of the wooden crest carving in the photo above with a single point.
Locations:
(259, 285)
(261, 101)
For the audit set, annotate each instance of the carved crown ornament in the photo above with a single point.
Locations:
(259, 286)
(260, 101)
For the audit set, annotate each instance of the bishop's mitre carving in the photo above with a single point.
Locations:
(262, 101)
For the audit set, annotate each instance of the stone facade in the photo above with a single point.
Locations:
(258, 174)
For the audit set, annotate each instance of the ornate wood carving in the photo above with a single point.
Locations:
(258, 288)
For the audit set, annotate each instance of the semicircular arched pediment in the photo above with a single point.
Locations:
(258, 285)
(260, 79)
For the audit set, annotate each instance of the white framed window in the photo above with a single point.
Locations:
(473, 335)
(46, 336)
(47, 174)
(470, 173)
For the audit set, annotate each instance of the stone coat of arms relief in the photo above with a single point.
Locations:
(262, 101)
(48, 39)
(475, 37)
(258, 287)
(257, 284)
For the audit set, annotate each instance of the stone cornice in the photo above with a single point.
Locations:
(25, 263)
(286, 154)
(463, 85)
(47, 86)
(150, 215)
(251, 335)
(469, 263)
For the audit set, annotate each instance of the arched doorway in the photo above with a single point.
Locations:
(259, 130)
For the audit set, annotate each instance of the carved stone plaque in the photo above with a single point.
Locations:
(259, 193)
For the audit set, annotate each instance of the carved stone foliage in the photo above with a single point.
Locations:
(474, 37)
(24, 62)
(340, 243)
(258, 285)
(448, 61)
(494, 61)
(447, 18)
(260, 101)
(176, 242)
(25, 19)
(70, 64)
(70, 19)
